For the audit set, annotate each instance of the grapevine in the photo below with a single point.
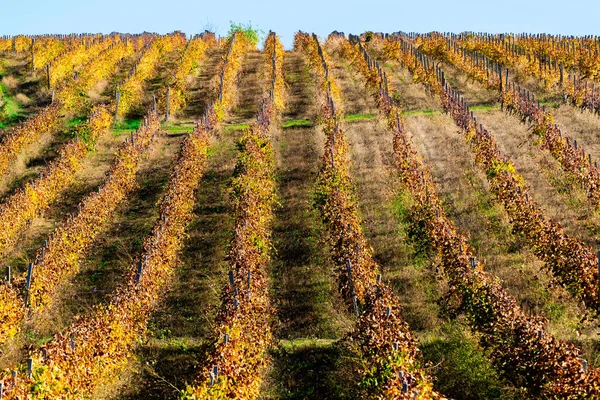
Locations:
(238, 353)
(380, 335)
(106, 338)
(522, 348)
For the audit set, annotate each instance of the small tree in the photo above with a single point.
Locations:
(253, 35)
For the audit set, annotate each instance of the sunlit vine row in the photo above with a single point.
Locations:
(49, 118)
(61, 257)
(540, 56)
(19, 43)
(96, 348)
(237, 357)
(69, 63)
(20, 208)
(46, 48)
(522, 348)
(273, 54)
(73, 93)
(26, 204)
(60, 260)
(27, 132)
(235, 47)
(381, 338)
(106, 338)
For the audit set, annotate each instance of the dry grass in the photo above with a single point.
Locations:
(407, 262)
(23, 99)
(464, 189)
(356, 98)
(477, 94)
(98, 92)
(583, 126)
(381, 202)
(10, 82)
(558, 194)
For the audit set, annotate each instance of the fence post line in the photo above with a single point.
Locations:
(351, 284)
(28, 283)
(598, 281)
(48, 75)
(117, 101)
(167, 105)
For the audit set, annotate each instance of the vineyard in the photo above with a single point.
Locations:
(374, 216)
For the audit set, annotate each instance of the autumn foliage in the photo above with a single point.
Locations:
(390, 368)
(529, 355)
(237, 357)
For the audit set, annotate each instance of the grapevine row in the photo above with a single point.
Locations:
(237, 356)
(572, 263)
(60, 258)
(130, 94)
(65, 65)
(563, 149)
(527, 354)
(236, 45)
(107, 338)
(544, 56)
(45, 49)
(173, 97)
(37, 195)
(96, 348)
(69, 95)
(46, 120)
(546, 60)
(382, 338)
(16, 44)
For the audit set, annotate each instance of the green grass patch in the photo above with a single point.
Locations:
(420, 112)
(311, 369)
(37, 339)
(75, 122)
(178, 128)
(126, 126)
(463, 370)
(298, 123)
(485, 107)
(359, 117)
(306, 342)
(11, 109)
(236, 127)
(402, 209)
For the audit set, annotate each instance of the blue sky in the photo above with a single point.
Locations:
(285, 18)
